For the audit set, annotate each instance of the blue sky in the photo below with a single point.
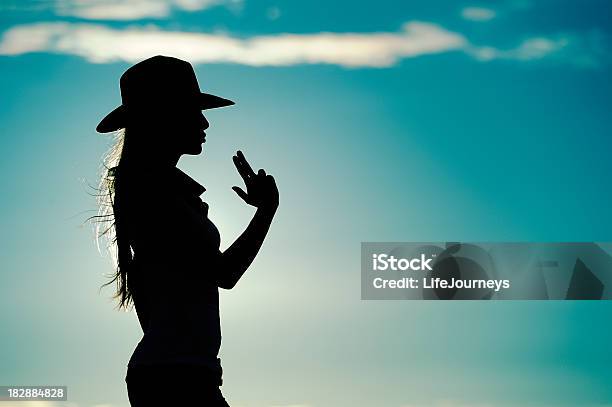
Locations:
(386, 121)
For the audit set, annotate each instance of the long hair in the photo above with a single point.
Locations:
(110, 223)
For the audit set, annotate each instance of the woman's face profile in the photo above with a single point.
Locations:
(183, 126)
(190, 126)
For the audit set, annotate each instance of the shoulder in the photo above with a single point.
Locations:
(143, 190)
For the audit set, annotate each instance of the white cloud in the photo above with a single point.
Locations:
(586, 50)
(530, 49)
(102, 44)
(536, 48)
(99, 44)
(130, 9)
(478, 13)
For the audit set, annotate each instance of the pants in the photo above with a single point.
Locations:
(173, 385)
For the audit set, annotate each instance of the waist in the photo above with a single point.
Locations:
(166, 374)
(180, 347)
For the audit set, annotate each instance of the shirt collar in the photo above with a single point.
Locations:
(186, 183)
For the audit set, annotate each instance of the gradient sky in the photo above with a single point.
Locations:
(381, 121)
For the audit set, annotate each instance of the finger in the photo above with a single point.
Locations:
(240, 167)
(246, 164)
(241, 193)
(239, 163)
(271, 180)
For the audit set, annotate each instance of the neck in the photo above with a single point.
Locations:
(155, 160)
(169, 160)
(161, 158)
(154, 154)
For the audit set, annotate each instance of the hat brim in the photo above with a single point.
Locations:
(116, 119)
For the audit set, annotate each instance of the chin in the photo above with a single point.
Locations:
(195, 150)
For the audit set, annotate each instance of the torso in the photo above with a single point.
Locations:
(175, 256)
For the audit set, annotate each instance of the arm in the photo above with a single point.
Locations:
(263, 194)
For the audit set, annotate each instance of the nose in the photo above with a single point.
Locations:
(205, 123)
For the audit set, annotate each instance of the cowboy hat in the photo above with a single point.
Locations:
(154, 83)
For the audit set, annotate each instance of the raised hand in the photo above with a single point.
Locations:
(261, 191)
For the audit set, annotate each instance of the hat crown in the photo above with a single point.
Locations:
(158, 81)
(158, 84)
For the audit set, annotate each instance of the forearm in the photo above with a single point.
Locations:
(239, 256)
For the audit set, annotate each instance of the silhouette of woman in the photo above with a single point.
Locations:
(169, 266)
